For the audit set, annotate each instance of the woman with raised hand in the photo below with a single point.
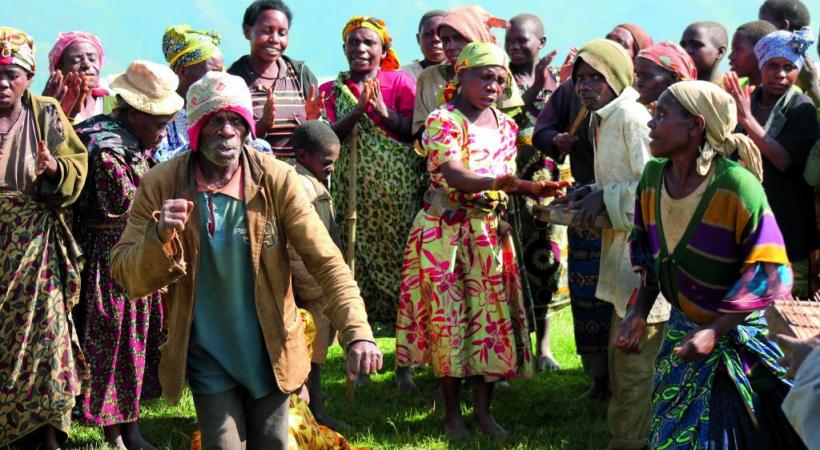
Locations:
(370, 107)
(283, 89)
(75, 63)
(782, 122)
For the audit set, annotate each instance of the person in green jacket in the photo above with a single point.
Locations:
(43, 167)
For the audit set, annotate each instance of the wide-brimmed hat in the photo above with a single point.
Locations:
(149, 87)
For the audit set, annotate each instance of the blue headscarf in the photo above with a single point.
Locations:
(785, 44)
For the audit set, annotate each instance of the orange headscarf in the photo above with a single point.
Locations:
(474, 23)
(391, 60)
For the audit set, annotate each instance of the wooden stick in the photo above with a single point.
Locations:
(350, 222)
(352, 199)
(579, 120)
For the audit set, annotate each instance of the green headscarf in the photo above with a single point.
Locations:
(477, 54)
(609, 59)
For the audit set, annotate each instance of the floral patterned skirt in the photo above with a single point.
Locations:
(460, 307)
(41, 365)
(120, 337)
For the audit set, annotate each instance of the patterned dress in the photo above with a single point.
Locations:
(543, 246)
(41, 365)
(730, 259)
(389, 181)
(120, 337)
(460, 308)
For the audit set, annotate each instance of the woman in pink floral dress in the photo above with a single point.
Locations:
(460, 306)
(120, 336)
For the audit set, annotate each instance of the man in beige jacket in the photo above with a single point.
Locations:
(213, 226)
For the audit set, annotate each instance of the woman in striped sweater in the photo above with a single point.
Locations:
(705, 235)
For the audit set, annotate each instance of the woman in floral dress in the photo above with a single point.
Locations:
(120, 336)
(460, 307)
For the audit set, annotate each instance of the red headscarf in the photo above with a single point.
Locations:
(66, 39)
(671, 57)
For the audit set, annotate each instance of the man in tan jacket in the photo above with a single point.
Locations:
(213, 225)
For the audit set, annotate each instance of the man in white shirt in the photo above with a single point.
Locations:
(603, 76)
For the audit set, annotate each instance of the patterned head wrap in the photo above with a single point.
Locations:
(610, 60)
(213, 93)
(391, 60)
(785, 44)
(183, 46)
(719, 111)
(474, 23)
(476, 54)
(16, 47)
(66, 39)
(671, 57)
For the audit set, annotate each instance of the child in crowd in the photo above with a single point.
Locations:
(742, 59)
(317, 148)
(706, 43)
(544, 271)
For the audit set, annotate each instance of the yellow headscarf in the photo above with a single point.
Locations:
(719, 111)
(389, 62)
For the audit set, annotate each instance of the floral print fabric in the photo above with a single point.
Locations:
(460, 306)
(120, 336)
(41, 367)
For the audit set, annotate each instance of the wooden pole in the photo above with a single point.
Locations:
(350, 223)
(352, 199)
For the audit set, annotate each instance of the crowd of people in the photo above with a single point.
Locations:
(183, 225)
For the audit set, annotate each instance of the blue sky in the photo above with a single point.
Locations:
(132, 29)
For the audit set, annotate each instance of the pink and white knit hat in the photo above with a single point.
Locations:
(213, 93)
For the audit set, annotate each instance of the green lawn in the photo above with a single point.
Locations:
(540, 413)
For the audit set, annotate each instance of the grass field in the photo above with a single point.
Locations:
(539, 413)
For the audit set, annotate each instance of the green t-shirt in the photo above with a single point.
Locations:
(227, 348)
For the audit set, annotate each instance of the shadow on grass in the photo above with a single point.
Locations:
(543, 412)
